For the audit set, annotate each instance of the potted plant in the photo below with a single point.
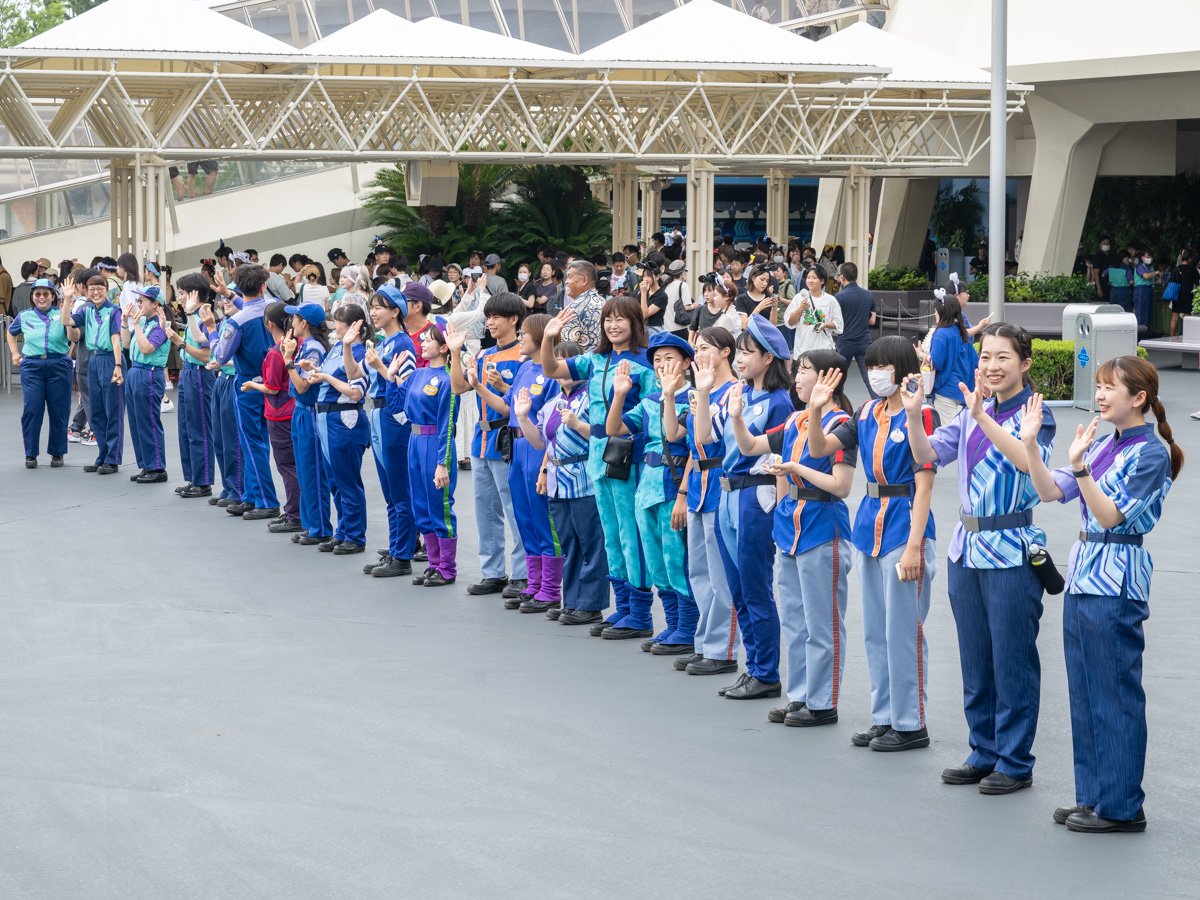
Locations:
(1035, 302)
(903, 298)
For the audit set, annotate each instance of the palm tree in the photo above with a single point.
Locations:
(552, 205)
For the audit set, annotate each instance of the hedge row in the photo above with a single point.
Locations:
(1053, 368)
(1025, 288)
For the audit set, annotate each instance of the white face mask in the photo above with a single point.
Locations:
(882, 383)
(777, 257)
(522, 276)
(1147, 259)
(1106, 247)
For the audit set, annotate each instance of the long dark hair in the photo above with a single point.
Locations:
(949, 313)
(1138, 375)
(822, 361)
(622, 308)
(776, 378)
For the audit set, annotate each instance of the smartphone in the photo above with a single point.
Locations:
(911, 385)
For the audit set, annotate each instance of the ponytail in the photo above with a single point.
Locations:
(1164, 430)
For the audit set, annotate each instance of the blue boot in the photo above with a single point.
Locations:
(670, 601)
(621, 594)
(686, 617)
(638, 621)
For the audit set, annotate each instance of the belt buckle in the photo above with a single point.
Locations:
(725, 484)
(971, 523)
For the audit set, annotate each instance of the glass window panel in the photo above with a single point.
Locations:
(598, 22)
(287, 21)
(52, 171)
(89, 202)
(645, 10)
(482, 16)
(413, 10)
(333, 15)
(542, 24)
(15, 174)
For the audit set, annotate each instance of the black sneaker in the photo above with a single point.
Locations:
(777, 715)
(93, 467)
(515, 588)
(327, 545)
(579, 617)
(107, 469)
(56, 462)
(553, 613)
(239, 509)
(488, 586)
(31, 463)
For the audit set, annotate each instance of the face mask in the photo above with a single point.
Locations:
(1106, 247)
(777, 257)
(522, 276)
(1147, 259)
(881, 383)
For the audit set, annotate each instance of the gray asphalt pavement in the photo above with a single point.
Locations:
(192, 708)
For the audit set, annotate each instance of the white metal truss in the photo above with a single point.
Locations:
(262, 109)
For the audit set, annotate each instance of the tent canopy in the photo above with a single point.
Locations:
(908, 61)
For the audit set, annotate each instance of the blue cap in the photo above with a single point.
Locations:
(666, 339)
(44, 283)
(150, 293)
(769, 337)
(395, 297)
(312, 313)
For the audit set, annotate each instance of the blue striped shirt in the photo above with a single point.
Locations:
(1133, 469)
(568, 481)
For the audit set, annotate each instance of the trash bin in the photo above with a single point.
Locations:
(1099, 337)
(1072, 312)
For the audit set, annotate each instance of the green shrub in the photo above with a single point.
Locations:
(1053, 368)
(897, 278)
(1025, 288)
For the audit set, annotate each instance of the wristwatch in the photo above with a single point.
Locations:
(1082, 473)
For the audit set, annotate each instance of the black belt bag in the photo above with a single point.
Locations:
(569, 460)
(504, 443)
(812, 495)
(976, 524)
(876, 490)
(618, 458)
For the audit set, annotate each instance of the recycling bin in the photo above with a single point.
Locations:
(1099, 337)
(1072, 312)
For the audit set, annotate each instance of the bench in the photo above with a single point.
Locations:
(1185, 348)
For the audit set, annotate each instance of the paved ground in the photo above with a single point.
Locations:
(191, 707)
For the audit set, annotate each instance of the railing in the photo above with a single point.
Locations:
(81, 201)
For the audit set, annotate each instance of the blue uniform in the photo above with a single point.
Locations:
(665, 549)
(572, 503)
(389, 445)
(431, 407)
(145, 385)
(101, 327)
(543, 555)
(1107, 599)
(716, 626)
(746, 513)
(812, 532)
(195, 401)
(614, 497)
(894, 611)
(46, 373)
(994, 594)
(311, 470)
(244, 341)
(954, 360)
(227, 448)
(345, 435)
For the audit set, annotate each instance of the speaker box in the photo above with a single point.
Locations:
(431, 183)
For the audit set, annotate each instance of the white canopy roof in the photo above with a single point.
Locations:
(379, 34)
(709, 35)
(455, 44)
(908, 60)
(135, 28)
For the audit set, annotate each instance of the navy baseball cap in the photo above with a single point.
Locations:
(666, 339)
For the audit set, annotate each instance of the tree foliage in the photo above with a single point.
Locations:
(22, 19)
(1160, 213)
(957, 216)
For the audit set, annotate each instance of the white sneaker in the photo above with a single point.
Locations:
(1195, 415)
(170, 386)
(88, 439)
(73, 436)
(167, 405)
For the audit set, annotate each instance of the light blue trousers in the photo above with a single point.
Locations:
(717, 631)
(493, 507)
(812, 592)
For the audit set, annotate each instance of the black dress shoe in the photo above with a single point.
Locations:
(681, 664)
(183, 487)
(287, 526)
(213, 501)
(809, 718)
(706, 666)
(225, 502)
(260, 513)
(539, 606)
(487, 586)
(238, 509)
(515, 588)
(999, 783)
(345, 548)
(598, 629)
(753, 689)
(1065, 812)
(777, 715)
(895, 741)
(156, 476)
(1089, 823)
(420, 579)
(437, 579)
(513, 602)
(612, 633)
(107, 469)
(56, 462)
(864, 738)
(31, 463)
(741, 679)
(138, 474)
(307, 540)
(371, 566)
(391, 568)
(964, 774)
(647, 646)
(672, 649)
(327, 545)
(194, 491)
(579, 617)
(91, 468)
(553, 613)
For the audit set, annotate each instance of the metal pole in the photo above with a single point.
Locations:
(997, 186)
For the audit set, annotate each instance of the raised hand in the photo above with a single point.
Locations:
(555, 326)
(207, 318)
(973, 399)
(912, 400)
(1084, 437)
(372, 357)
(735, 400)
(307, 365)
(524, 403)
(822, 392)
(622, 383)
(1031, 419)
(455, 339)
(287, 347)
(219, 281)
(672, 379)
(705, 376)
(353, 331)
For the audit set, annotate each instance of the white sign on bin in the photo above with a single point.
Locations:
(1099, 337)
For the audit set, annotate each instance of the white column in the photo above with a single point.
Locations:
(699, 222)
(651, 206)
(778, 185)
(827, 218)
(625, 206)
(1066, 159)
(856, 217)
(601, 188)
(905, 206)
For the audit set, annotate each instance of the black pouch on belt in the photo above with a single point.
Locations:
(618, 458)
(504, 443)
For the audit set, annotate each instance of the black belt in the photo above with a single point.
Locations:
(1110, 537)
(816, 496)
(877, 490)
(665, 459)
(517, 433)
(704, 465)
(493, 424)
(737, 482)
(997, 523)
(338, 407)
(377, 402)
(568, 460)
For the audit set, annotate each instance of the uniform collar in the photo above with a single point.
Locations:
(1018, 399)
(1136, 431)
